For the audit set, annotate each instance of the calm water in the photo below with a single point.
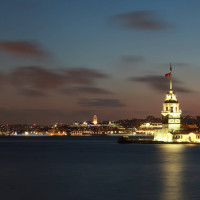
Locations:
(96, 168)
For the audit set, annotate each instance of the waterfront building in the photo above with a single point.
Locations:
(187, 133)
(172, 129)
(148, 128)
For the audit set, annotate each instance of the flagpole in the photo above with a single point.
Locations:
(170, 76)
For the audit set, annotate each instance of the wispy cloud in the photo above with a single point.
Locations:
(100, 103)
(131, 59)
(177, 64)
(87, 90)
(140, 20)
(160, 83)
(35, 81)
(41, 78)
(23, 48)
(37, 78)
(83, 75)
(31, 92)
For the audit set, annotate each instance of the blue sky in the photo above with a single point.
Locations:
(67, 60)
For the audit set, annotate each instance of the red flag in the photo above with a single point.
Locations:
(168, 75)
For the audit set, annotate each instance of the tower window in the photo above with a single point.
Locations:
(171, 109)
(166, 108)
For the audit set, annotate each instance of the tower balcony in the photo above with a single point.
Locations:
(175, 113)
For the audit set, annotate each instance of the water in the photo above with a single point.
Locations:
(96, 168)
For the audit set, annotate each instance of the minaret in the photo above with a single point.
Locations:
(94, 120)
(171, 113)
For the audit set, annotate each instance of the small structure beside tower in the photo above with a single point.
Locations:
(95, 120)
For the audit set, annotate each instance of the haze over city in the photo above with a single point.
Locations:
(62, 61)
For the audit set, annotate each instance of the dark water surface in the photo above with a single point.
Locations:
(84, 168)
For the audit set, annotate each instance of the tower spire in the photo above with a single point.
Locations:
(170, 76)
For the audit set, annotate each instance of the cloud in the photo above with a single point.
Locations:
(160, 83)
(132, 59)
(3, 79)
(100, 103)
(83, 75)
(37, 78)
(35, 81)
(40, 78)
(31, 92)
(177, 64)
(23, 48)
(88, 90)
(140, 20)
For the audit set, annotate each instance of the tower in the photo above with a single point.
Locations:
(94, 120)
(171, 115)
(171, 112)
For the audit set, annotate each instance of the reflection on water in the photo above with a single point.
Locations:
(173, 163)
(82, 168)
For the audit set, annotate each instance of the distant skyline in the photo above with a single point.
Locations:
(62, 61)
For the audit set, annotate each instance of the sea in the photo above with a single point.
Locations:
(97, 168)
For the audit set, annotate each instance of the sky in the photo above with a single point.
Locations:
(66, 60)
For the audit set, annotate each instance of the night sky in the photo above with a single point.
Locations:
(66, 60)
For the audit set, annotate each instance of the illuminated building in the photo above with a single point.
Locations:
(149, 128)
(172, 129)
(171, 115)
(94, 120)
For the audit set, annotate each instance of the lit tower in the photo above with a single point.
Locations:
(171, 113)
(94, 120)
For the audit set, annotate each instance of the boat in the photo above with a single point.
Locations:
(124, 139)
